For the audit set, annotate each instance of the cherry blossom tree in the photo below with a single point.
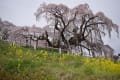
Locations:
(78, 26)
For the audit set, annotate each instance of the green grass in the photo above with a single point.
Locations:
(25, 63)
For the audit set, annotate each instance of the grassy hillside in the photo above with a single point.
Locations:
(23, 63)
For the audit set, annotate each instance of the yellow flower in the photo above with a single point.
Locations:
(19, 52)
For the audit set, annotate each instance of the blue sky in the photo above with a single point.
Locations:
(21, 12)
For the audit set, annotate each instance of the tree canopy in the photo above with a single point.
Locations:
(78, 26)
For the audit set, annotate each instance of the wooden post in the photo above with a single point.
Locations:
(34, 45)
(60, 51)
